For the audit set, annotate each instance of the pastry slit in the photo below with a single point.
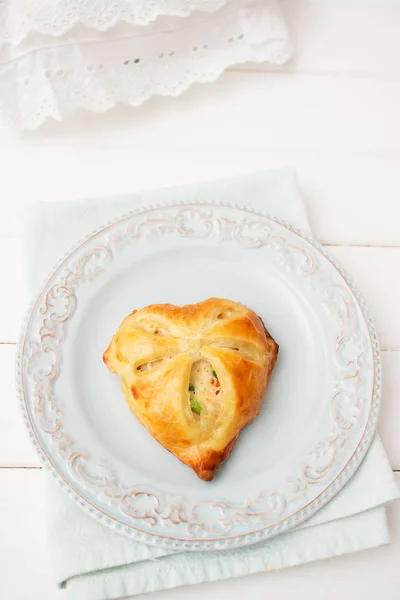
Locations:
(204, 388)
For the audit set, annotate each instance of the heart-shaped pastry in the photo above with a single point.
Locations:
(194, 375)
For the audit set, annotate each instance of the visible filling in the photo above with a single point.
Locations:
(204, 388)
(150, 365)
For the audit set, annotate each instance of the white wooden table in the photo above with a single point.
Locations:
(333, 113)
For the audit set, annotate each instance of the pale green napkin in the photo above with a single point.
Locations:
(95, 563)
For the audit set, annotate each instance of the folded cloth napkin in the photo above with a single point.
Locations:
(96, 563)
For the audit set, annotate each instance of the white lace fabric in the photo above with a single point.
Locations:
(94, 66)
(55, 17)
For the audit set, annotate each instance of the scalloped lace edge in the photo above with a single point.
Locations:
(98, 74)
(274, 52)
(141, 14)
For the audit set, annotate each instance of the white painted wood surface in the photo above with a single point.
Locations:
(334, 114)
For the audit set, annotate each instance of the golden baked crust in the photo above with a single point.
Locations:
(194, 375)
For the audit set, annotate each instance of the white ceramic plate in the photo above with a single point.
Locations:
(316, 422)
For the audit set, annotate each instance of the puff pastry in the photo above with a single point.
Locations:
(194, 375)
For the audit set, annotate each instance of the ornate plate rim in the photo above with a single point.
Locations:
(225, 541)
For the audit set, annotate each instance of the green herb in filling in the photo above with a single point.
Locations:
(214, 374)
(191, 387)
(195, 406)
